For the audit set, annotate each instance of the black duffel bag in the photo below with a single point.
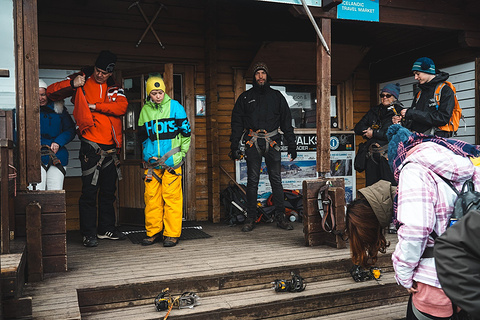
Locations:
(361, 156)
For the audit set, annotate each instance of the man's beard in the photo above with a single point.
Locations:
(261, 85)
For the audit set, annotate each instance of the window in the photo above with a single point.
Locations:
(303, 104)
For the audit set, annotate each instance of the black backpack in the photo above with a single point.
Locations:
(293, 202)
(457, 252)
(235, 204)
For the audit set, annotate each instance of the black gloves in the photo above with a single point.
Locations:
(235, 154)
(292, 151)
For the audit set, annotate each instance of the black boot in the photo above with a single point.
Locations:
(282, 222)
(248, 226)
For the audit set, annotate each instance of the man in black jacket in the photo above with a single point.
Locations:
(425, 116)
(256, 117)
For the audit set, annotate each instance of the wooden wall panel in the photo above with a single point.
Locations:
(73, 190)
(362, 103)
(88, 27)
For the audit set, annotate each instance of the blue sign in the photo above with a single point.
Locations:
(364, 10)
(313, 3)
(334, 143)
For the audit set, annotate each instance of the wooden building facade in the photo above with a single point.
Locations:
(205, 49)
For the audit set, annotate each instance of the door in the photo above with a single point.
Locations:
(179, 86)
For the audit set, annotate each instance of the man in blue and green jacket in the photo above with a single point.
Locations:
(165, 134)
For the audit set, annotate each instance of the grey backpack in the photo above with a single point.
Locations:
(457, 252)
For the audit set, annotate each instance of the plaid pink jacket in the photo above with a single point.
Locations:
(425, 203)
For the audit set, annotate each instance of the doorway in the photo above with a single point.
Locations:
(179, 86)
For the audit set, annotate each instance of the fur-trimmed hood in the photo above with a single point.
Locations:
(380, 197)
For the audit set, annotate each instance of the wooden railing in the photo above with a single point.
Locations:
(7, 180)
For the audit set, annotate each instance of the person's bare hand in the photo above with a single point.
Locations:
(396, 119)
(79, 81)
(413, 289)
(54, 146)
(403, 112)
(368, 133)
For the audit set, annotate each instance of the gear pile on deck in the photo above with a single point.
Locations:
(166, 301)
(360, 274)
(296, 284)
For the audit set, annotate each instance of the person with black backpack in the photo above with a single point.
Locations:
(424, 204)
(427, 115)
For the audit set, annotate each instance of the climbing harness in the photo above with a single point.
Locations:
(325, 209)
(382, 151)
(154, 162)
(296, 284)
(165, 301)
(45, 150)
(359, 274)
(100, 165)
(262, 134)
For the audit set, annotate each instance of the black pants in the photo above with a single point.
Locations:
(411, 315)
(254, 162)
(378, 169)
(105, 189)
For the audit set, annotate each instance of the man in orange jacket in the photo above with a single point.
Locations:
(99, 107)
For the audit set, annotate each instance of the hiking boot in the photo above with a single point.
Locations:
(283, 223)
(170, 242)
(90, 241)
(151, 240)
(248, 226)
(115, 235)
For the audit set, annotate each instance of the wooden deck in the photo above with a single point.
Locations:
(121, 264)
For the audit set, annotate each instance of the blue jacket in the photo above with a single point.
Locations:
(163, 127)
(56, 126)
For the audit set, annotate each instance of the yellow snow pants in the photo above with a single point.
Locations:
(164, 204)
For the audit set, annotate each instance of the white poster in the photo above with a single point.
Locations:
(303, 167)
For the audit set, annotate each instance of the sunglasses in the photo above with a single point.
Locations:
(386, 95)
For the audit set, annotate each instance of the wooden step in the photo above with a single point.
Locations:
(13, 274)
(395, 311)
(325, 297)
(15, 305)
(108, 297)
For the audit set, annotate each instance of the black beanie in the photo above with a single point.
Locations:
(260, 66)
(106, 61)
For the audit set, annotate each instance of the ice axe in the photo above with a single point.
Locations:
(150, 23)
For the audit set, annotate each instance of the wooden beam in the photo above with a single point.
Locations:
(5, 214)
(32, 105)
(190, 165)
(20, 90)
(327, 5)
(324, 73)
(33, 213)
(4, 73)
(410, 13)
(211, 90)
(168, 77)
(238, 82)
(470, 39)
